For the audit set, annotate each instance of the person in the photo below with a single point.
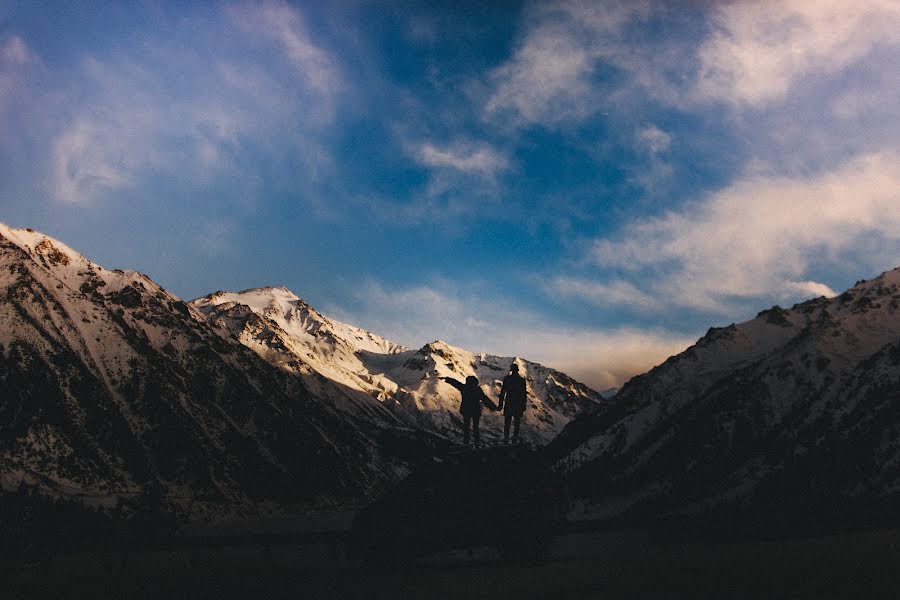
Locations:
(513, 394)
(470, 406)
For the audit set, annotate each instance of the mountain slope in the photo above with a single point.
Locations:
(111, 386)
(113, 389)
(794, 409)
(373, 378)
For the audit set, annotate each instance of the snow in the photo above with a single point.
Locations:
(368, 368)
(109, 318)
(818, 358)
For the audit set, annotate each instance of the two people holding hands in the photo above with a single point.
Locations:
(512, 394)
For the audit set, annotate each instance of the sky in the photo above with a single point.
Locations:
(590, 185)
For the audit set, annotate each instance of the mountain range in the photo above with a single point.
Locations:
(253, 402)
(234, 403)
(791, 419)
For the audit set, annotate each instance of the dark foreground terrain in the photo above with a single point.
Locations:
(595, 565)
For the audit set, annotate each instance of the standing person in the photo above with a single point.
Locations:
(514, 395)
(470, 407)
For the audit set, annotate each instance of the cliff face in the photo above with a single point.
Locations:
(793, 410)
(377, 380)
(234, 403)
(111, 384)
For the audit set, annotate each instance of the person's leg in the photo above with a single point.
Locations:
(516, 420)
(467, 420)
(475, 420)
(506, 419)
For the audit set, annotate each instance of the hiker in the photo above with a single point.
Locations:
(470, 406)
(513, 395)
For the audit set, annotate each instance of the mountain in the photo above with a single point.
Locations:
(113, 390)
(373, 378)
(112, 386)
(792, 418)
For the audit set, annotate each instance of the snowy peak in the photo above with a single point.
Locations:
(74, 271)
(789, 396)
(37, 244)
(372, 377)
(111, 385)
(108, 381)
(297, 318)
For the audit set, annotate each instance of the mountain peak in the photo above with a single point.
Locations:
(35, 243)
(268, 300)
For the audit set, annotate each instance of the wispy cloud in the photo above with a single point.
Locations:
(654, 139)
(550, 77)
(760, 51)
(16, 51)
(165, 110)
(89, 159)
(763, 236)
(604, 294)
(469, 158)
(656, 171)
(282, 24)
(415, 315)
(15, 57)
(463, 178)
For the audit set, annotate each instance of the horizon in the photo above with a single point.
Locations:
(587, 186)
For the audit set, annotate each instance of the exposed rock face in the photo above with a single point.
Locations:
(796, 411)
(111, 384)
(381, 381)
(235, 403)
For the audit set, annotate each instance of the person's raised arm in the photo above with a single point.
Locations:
(455, 383)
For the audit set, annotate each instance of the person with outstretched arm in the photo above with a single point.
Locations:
(514, 395)
(470, 406)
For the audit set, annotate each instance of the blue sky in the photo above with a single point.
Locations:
(587, 184)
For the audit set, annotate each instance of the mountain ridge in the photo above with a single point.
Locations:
(793, 408)
(114, 386)
(405, 382)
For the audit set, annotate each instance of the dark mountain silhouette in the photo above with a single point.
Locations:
(114, 391)
(112, 386)
(788, 422)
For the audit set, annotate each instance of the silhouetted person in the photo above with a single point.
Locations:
(470, 407)
(512, 394)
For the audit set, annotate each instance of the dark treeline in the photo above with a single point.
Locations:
(34, 526)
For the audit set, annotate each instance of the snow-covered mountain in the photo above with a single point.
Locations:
(794, 409)
(365, 374)
(111, 385)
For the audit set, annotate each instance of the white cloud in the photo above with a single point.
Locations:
(601, 358)
(89, 159)
(463, 180)
(16, 51)
(15, 60)
(654, 139)
(165, 110)
(759, 51)
(656, 172)
(549, 78)
(809, 288)
(763, 235)
(469, 158)
(613, 293)
(282, 24)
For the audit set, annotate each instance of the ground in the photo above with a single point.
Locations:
(599, 565)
